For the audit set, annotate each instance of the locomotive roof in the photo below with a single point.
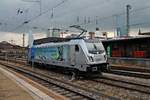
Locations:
(52, 39)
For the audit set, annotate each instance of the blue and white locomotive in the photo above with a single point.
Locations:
(77, 54)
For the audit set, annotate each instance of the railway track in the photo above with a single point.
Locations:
(118, 70)
(130, 73)
(67, 89)
(112, 81)
(15, 60)
(130, 68)
(124, 83)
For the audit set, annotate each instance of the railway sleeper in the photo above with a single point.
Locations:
(60, 91)
(70, 94)
(77, 97)
(65, 92)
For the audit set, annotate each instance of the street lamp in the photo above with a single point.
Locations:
(128, 7)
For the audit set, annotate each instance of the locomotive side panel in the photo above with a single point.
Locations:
(47, 53)
(54, 55)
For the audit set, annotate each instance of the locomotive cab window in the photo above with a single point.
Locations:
(95, 47)
(76, 48)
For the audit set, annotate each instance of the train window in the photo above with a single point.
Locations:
(76, 48)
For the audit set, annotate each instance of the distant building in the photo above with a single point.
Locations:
(10, 49)
(55, 32)
(121, 31)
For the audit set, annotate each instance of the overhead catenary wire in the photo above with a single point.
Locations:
(91, 20)
(42, 13)
(111, 16)
(103, 18)
(34, 18)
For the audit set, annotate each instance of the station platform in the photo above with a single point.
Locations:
(14, 88)
(139, 62)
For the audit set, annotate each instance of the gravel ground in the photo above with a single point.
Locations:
(121, 93)
(114, 91)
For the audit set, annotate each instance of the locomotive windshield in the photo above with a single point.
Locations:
(95, 47)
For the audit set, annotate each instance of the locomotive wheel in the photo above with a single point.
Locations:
(73, 76)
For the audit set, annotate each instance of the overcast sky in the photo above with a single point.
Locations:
(105, 14)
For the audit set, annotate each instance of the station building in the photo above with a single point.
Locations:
(131, 50)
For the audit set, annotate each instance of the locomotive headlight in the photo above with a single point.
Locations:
(91, 58)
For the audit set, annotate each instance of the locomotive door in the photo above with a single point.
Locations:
(72, 55)
(77, 55)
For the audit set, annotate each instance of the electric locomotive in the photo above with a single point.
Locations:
(78, 54)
